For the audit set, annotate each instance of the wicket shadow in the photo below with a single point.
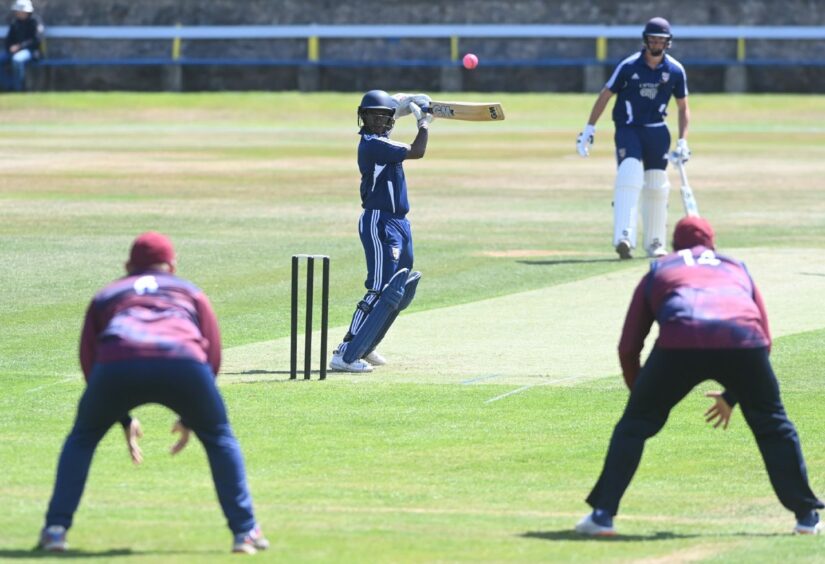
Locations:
(256, 372)
(315, 376)
(569, 535)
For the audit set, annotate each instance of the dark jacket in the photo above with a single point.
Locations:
(24, 33)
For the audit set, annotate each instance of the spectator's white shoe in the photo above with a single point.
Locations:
(810, 525)
(376, 359)
(339, 365)
(589, 526)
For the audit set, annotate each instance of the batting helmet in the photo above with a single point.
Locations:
(376, 114)
(22, 6)
(658, 27)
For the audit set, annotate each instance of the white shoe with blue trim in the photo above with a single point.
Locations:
(589, 526)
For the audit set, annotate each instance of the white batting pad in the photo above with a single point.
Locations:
(654, 210)
(629, 180)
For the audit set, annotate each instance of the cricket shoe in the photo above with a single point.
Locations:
(250, 542)
(375, 359)
(656, 250)
(340, 365)
(596, 524)
(53, 539)
(808, 525)
(623, 249)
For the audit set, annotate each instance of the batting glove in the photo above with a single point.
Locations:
(422, 100)
(682, 152)
(402, 104)
(403, 101)
(585, 139)
(423, 118)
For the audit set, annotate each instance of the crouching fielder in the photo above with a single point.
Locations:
(152, 337)
(644, 83)
(384, 229)
(712, 325)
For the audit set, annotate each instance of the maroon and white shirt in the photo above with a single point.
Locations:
(701, 300)
(150, 315)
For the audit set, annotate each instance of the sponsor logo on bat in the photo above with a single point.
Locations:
(493, 113)
(443, 111)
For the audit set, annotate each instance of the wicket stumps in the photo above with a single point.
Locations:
(293, 335)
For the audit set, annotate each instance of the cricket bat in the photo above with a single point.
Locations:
(688, 200)
(467, 111)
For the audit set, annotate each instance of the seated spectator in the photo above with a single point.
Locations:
(22, 44)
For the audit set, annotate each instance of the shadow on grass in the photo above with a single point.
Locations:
(254, 372)
(315, 376)
(35, 553)
(568, 535)
(156, 555)
(573, 261)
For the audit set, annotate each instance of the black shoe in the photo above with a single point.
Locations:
(623, 249)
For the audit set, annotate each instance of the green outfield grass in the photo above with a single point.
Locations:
(481, 439)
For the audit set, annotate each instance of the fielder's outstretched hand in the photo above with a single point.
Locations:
(720, 411)
(184, 431)
(133, 432)
(585, 139)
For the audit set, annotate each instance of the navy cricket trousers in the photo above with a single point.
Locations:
(388, 247)
(647, 144)
(186, 387)
(666, 378)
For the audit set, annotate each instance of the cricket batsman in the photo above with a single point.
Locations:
(643, 83)
(712, 326)
(383, 227)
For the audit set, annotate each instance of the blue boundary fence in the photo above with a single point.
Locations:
(314, 34)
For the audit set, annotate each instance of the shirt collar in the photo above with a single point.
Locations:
(642, 62)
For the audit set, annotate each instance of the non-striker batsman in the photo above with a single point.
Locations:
(643, 83)
(383, 227)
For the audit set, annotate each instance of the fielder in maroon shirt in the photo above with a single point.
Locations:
(149, 314)
(712, 326)
(151, 337)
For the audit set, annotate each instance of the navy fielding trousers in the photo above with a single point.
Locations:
(184, 386)
(666, 378)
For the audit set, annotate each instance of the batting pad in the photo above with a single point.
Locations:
(388, 302)
(629, 180)
(654, 209)
(409, 294)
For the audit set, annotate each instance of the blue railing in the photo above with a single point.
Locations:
(314, 34)
(425, 31)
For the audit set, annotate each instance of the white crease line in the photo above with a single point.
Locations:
(527, 387)
(510, 393)
(480, 378)
(63, 381)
